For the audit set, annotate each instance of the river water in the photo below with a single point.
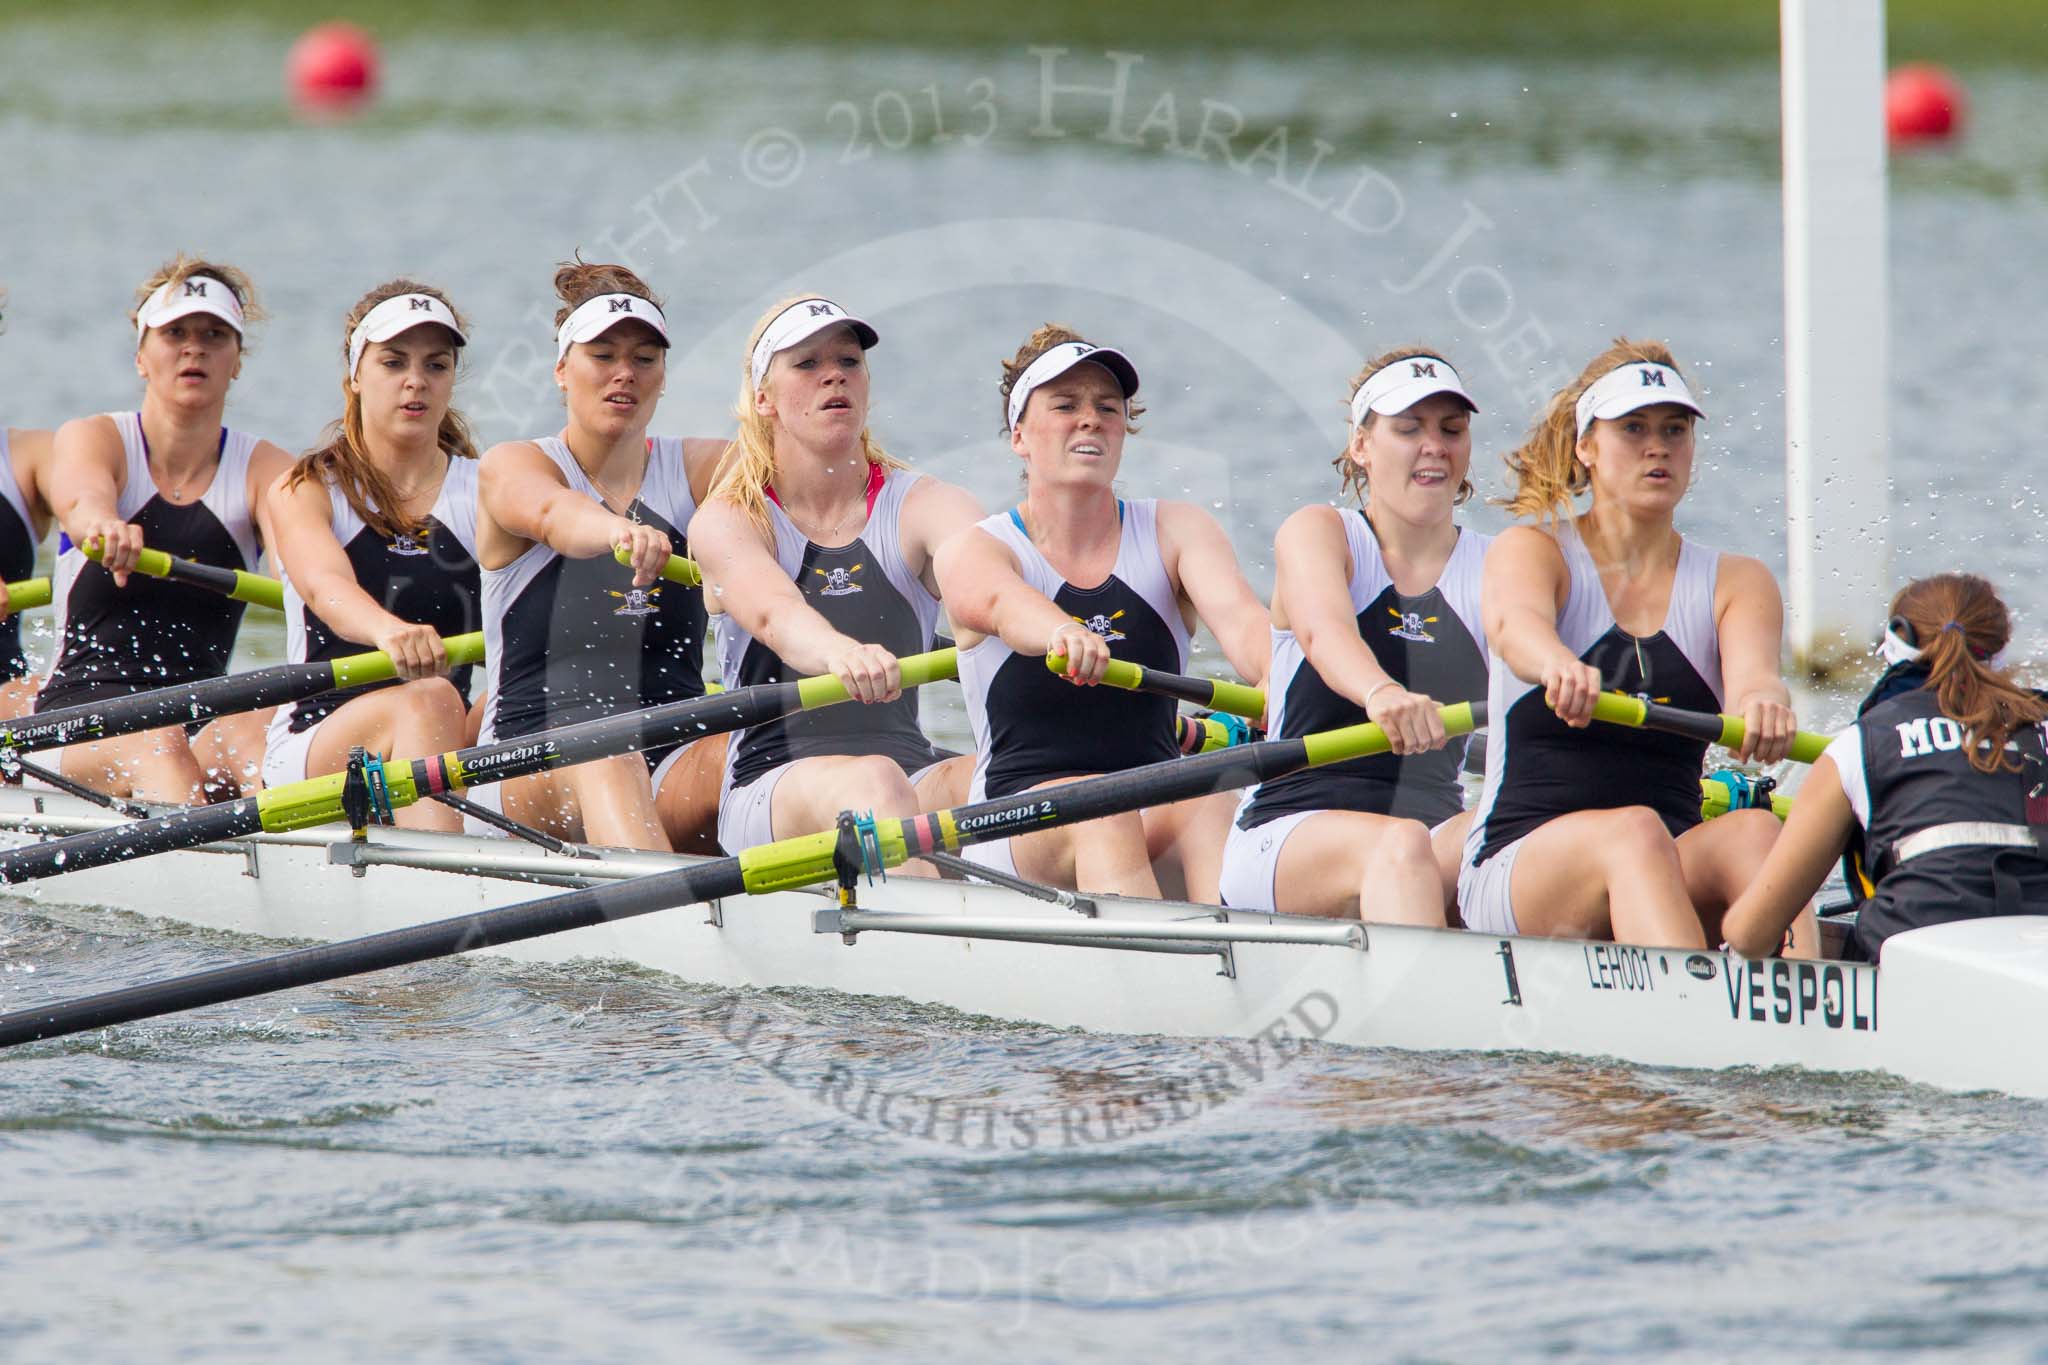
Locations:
(480, 1161)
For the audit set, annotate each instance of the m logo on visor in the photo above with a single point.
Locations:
(1422, 369)
(1652, 378)
(419, 303)
(621, 305)
(823, 310)
(195, 289)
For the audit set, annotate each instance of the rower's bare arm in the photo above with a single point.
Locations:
(87, 469)
(268, 463)
(1523, 590)
(742, 579)
(29, 452)
(302, 520)
(1200, 557)
(1816, 832)
(986, 595)
(524, 501)
(933, 513)
(701, 458)
(1749, 614)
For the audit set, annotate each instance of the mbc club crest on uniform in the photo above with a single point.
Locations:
(1105, 626)
(839, 582)
(408, 546)
(1411, 625)
(635, 601)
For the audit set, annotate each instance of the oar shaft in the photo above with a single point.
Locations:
(1617, 708)
(236, 583)
(1215, 693)
(677, 570)
(29, 592)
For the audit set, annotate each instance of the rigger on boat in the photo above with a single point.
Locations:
(1610, 640)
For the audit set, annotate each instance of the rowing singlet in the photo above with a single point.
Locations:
(568, 640)
(113, 642)
(1538, 768)
(432, 580)
(867, 591)
(1433, 644)
(1033, 726)
(17, 558)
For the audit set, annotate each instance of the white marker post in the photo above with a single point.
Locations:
(1837, 328)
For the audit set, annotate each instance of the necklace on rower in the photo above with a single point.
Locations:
(632, 504)
(176, 492)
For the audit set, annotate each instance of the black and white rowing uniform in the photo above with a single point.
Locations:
(113, 642)
(1032, 726)
(1538, 768)
(1434, 644)
(569, 640)
(1942, 841)
(430, 580)
(866, 590)
(17, 558)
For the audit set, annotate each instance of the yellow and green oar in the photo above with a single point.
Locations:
(779, 866)
(326, 800)
(239, 584)
(29, 592)
(252, 691)
(1617, 708)
(1214, 693)
(677, 570)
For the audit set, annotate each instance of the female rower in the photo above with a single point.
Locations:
(1941, 774)
(169, 477)
(1075, 570)
(570, 634)
(1375, 617)
(818, 548)
(376, 531)
(1596, 832)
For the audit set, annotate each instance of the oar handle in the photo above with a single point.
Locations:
(239, 584)
(1617, 708)
(677, 570)
(940, 665)
(29, 592)
(357, 670)
(1214, 693)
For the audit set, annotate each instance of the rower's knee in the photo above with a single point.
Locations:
(878, 783)
(435, 697)
(1633, 835)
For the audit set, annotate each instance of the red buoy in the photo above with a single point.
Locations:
(332, 68)
(1922, 103)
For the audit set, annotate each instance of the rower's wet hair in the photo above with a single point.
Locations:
(1546, 468)
(748, 466)
(1355, 479)
(342, 458)
(1047, 336)
(182, 267)
(1959, 625)
(578, 281)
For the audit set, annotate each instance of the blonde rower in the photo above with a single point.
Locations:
(818, 548)
(172, 478)
(376, 534)
(1375, 617)
(570, 634)
(1078, 571)
(1594, 831)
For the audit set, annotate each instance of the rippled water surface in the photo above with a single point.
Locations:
(476, 1160)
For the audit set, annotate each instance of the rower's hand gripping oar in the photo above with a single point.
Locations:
(677, 570)
(870, 845)
(1214, 693)
(275, 686)
(325, 800)
(1617, 708)
(253, 588)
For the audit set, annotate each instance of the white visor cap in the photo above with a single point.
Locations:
(1062, 358)
(594, 317)
(1400, 384)
(1638, 384)
(395, 315)
(799, 322)
(176, 299)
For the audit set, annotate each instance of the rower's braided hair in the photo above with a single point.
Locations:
(1960, 625)
(747, 468)
(1047, 336)
(1352, 468)
(342, 459)
(182, 267)
(1546, 468)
